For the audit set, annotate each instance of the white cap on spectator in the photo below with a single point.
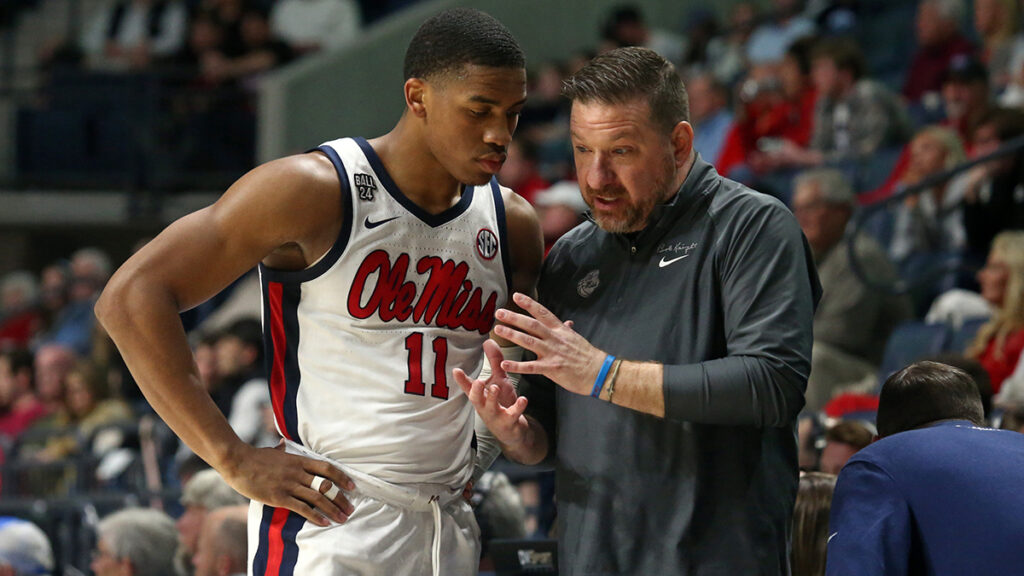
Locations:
(24, 547)
(563, 193)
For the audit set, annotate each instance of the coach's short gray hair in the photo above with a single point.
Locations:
(145, 537)
(834, 187)
(207, 489)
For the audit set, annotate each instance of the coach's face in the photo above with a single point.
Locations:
(469, 118)
(625, 164)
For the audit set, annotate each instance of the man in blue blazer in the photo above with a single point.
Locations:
(938, 493)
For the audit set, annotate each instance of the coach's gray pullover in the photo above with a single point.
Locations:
(721, 288)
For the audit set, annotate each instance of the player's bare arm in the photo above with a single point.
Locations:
(285, 213)
(494, 397)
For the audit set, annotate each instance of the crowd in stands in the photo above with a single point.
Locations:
(791, 101)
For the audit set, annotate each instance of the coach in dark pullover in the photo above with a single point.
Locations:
(668, 405)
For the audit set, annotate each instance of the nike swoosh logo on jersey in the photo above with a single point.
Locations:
(664, 262)
(370, 225)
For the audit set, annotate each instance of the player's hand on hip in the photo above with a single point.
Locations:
(563, 355)
(309, 487)
(495, 399)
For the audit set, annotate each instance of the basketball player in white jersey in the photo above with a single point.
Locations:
(382, 264)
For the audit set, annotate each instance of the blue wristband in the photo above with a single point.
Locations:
(599, 383)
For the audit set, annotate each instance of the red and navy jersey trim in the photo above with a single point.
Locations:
(277, 552)
(432, 220)
(281, 343)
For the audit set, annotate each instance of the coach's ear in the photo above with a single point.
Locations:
(415, 92)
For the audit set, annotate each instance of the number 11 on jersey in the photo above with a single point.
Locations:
(414, 385)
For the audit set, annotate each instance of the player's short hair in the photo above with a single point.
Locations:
(927, 392)
(459, 37)
(626, 74)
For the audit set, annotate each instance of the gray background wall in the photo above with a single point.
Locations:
(356, 90)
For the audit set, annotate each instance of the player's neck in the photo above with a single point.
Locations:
(415, 170)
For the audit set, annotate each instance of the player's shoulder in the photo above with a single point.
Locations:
(519, 212)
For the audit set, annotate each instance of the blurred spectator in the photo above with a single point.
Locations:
(810, 523)
(701, 30)
(53, 294)
(966, 96)
(854, 116)
(625, 26)
(87, 407)
(891, 513)
(19, 407)
(129, 34)
(202, 493)
(135, 542)
(999, 341)
(965, 99)
(311, 25)
(837, 17)
(242, 392)
(843, 440)
(228, 15)
(1013, 95)
(499, 512)
(261, 51)
(24, 548)
(939, 40)
(996, 22)
(771, 38)
(930, 223)
(852, 321)
(1013, 419)
(52, 364)
(560, 208)
(519, 172)
(767, 116)
(709, 114)
(19, 315)
(90, 269)
(222, 546)
(205, 36)
(994, 191)
(726, 54)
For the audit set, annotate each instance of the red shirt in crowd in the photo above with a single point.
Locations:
(999, 368)
(928, 70)
(789, 119)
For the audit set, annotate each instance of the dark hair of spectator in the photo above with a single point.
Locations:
(850, 432)
(927, 392)
(249, 331)
(800, 51)
(844, 53)
(625, 74)
(18, 360)
(459, 37)
(810, 523)
(1009, 122)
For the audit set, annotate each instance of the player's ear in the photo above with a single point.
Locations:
(415, 92)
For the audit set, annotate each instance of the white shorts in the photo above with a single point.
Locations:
(392, 531)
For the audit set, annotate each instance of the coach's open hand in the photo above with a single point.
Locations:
(282, 480)
(563, 356)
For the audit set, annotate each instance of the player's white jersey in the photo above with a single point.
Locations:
(361, 345)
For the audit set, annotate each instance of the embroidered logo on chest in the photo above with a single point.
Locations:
(588, 284)
(486, 244)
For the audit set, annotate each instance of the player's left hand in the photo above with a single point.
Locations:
(563, 356)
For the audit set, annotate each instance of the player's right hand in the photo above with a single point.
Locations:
(276, 478)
